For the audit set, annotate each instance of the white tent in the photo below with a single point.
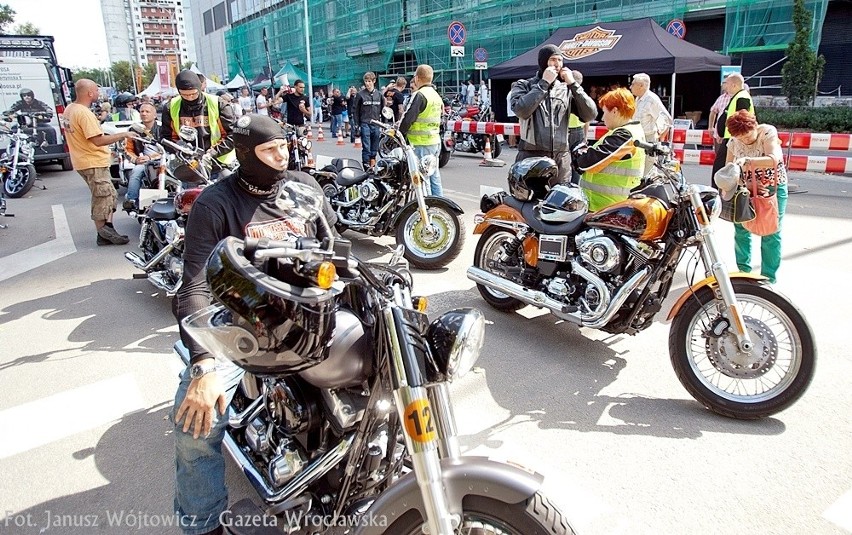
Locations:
(155, 89)
(237, 82)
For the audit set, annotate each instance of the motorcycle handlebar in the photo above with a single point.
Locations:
(653, 149)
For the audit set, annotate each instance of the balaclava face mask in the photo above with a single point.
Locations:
(249, 132)
(187, 81)
(544, 54)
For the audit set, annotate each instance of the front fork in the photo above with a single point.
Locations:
(717, 268)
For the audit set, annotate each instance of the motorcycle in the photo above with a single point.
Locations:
(16, 165)
(343, 416)
(390, 197)
(462, 141)
(738, 346)
(3, 212)
(300, 148)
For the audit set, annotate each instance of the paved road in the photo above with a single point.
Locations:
(87, 378)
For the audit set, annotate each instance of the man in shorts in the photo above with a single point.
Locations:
(90, 156)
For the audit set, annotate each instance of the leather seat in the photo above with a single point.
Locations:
(528, 210)
(162, 210)
(349, 171)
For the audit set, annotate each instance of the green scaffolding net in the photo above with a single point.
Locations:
(764, 25)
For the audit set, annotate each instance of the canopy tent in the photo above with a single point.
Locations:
(292, 72)
(237, 83)
(154, 89)
(212, 86)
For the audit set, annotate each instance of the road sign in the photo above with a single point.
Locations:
(480, 65)
(480, 54)
(677, 28)
(456, 51)
(457, 33)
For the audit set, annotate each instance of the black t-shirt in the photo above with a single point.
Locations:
(294, 116)
(392, 102)
(337, 105)
(226, 209)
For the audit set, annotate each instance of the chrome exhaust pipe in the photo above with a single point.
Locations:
(158, 279)
(299, 484)
(137, 260)
(626, 289)
(531, 297)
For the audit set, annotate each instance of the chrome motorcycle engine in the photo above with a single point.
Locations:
(365, 191)
(598, 251)
(361, 204)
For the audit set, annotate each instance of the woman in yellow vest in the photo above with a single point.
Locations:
(612, 166)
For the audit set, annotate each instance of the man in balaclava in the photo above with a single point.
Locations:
(192, 107)
(241, 205)
(543, 104)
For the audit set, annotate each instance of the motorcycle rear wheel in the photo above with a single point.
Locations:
(496, 148)
(444, 157)
(427, 251)
(486, 516)
(776, 374)
(488, 249)
(19, 185)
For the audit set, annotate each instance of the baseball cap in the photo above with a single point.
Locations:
(727, 179)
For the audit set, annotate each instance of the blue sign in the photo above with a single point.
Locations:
(480, 55)
(730, 69)
(457, 33)
(677, 28)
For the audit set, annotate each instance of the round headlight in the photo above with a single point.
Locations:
(456, 339)
(711, 200)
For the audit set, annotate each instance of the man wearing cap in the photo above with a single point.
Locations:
(243, 204)
(543, 104)
(192, 107)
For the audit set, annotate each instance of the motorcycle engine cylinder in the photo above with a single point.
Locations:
(292, 406)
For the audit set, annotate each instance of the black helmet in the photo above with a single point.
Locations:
(564, 204)
(26, 92)
(529, 179)
(267, 326)
(123, 99)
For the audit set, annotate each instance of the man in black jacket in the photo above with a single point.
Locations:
(243, 204)
(368, 107)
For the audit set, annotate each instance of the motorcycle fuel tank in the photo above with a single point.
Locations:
(643, 218)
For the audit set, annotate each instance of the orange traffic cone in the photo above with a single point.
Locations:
(340, 137)
(320, 137)
(489, 160)
(488, 156)
(310, 159)
(309, 133)
(358, 142)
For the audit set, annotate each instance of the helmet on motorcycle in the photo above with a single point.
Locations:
(123, 99)
(267, 326)
(529, 178)
(563, 204)
(26, 92)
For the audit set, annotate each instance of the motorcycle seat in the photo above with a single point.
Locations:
(349, 171)
(528, 210)
(162, 210)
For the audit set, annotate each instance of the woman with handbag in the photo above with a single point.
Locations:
(756, 149)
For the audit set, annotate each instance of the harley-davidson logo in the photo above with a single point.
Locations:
(585, 44)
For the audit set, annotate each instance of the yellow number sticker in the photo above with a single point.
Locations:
(418, 421)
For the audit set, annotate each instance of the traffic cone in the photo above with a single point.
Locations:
(320, 137)
(488, 156)
(340, 137)
(309, 133)
(358, 142)
(310, 159)
(489, 160)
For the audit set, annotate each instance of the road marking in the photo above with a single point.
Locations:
(463, 195)
(29, 259)
(840, 512)
(55, 417)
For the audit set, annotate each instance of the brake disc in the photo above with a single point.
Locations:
(726, 357)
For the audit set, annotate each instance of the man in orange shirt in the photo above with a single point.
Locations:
(90, 156)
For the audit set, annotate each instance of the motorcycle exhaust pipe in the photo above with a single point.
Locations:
(137, 260)
(300, 481)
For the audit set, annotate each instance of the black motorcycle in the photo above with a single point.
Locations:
(391, 198)
(17, 171)
(343, 418)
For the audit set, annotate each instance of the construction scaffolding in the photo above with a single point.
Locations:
(762, 25)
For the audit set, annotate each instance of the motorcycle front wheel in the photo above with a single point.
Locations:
(435, 247)
(769, 379)
(21, 183)
(485, 516)
(488, 251)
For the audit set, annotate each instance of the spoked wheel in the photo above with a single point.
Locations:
(21, 183)
(431, 246)
(488, 252)
(766, 380)
(484, 516)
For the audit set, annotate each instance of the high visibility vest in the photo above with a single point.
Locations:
(212, 122)
(574, 121)
(732, 108)
(614, 182)
(425, 130)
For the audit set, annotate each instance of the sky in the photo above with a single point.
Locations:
(76, 25)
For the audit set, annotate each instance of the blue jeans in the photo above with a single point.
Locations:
(370, 135)
(134, 182)
(200, 492)
(336, 124)
(434, 178)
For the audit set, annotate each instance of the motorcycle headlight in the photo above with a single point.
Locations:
(428, 165)
(456, 339)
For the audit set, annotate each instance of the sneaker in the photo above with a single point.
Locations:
(129, 205)
(110, 235)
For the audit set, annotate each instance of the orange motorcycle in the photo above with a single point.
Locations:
(738, 346)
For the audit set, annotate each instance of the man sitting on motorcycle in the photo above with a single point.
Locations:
(141, 155)
(243, 204)
(612, 166)
(192, 107)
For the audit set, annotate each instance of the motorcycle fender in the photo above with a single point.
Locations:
(503, 212)
(707, 282)
(439, 201)
(461, 477)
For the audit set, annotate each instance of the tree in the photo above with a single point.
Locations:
(7, 16)
(800, 75)
(148, 73)
(99, 76)
(122, 75)
(27, 28)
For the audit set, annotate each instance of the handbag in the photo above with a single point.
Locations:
(739, 208)
(765, 221)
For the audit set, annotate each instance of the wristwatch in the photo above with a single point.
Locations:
(197, 370)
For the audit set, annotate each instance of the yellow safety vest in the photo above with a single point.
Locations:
(425, 130)
(614, 182)
(212, 122)
(732, 108)
(574, 121)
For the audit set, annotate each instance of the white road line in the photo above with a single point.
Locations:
(840, 512)
(61, 415)
(463, 195)
(28, 259)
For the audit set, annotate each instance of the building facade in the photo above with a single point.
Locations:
(148, 31)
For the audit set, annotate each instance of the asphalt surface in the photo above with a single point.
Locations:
(87, 377)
